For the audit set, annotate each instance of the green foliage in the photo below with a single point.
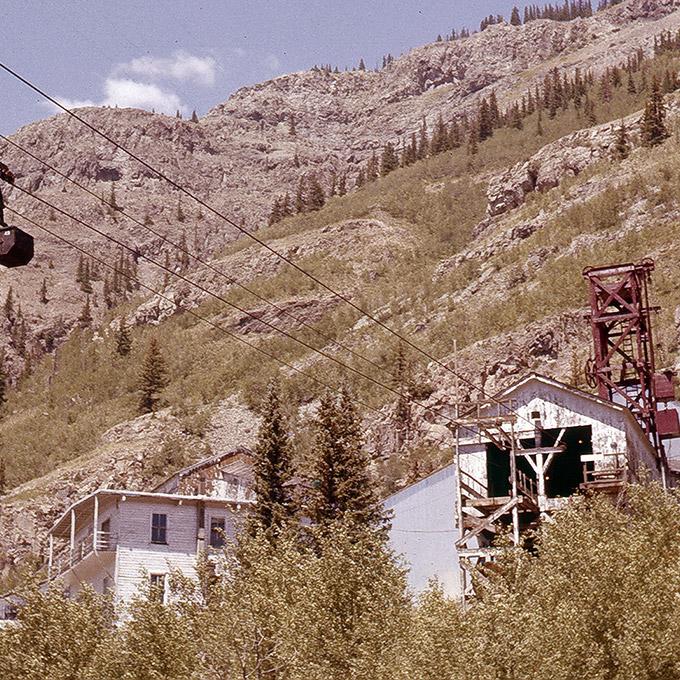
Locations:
(344, 489)
(594, 595)
(170, 457)
(56, 637)
(273, 470)
(155, 642)
(123, 339)
(653, 128)
(153, 378)
(286, 610)
(438, 202)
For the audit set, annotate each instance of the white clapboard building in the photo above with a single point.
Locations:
(114, 540)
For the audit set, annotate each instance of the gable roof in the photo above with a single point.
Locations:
(553, 384)
(557, 384)
(202, 464)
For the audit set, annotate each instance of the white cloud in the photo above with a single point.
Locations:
(126, 93)
(71, 103)
(272, 62)
(133, 84)
(182, 66)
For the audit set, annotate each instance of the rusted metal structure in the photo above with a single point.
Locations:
(623, 368)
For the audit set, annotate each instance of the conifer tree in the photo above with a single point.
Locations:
(423, 141)
(389, 160)
(346, 490)
(3, 476)
(372, 168)
(515, 19)
(184, 259)
(80, 270)
(473, 140)
(166, 272)
(300, 202)
(123, 339)
(440, 137)
(85, 318)
(43, 292)
(342, 184)
(362, 65)
(653, 128)
(292, 131)
(194, 117)
(631, 84)
(621, 145)
(85, 282)
(484, 121)
(106, 293)
(494, 111)
(316, 197)
(153, 378)
(273, 469)
(113, 204)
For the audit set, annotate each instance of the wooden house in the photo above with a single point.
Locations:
(113, 540)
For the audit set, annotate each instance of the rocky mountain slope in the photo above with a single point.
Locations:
(242, 153)
(487, 251)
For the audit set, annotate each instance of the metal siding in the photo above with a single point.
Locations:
(424, 531)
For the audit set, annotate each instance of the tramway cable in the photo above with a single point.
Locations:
(186, 251)
(257, 240)
(363, 375)
(211, 323)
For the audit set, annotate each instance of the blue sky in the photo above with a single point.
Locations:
(191, 54)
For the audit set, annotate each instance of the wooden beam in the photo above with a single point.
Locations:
(545, 450)
(503, 510)
(95, 522)
(50, 558)
(73, 532)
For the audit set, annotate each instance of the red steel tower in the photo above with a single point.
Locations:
(623, 368)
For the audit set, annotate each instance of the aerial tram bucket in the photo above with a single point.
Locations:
(16, 245)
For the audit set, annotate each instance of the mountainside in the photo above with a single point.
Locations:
(484, 248)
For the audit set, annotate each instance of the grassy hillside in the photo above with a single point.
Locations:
(59, 411)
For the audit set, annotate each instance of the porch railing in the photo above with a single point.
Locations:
(100, 541)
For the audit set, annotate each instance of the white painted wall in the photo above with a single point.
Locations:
(424, 531)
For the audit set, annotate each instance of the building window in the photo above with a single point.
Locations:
(217, 536)
(159, 528)
(159, 586)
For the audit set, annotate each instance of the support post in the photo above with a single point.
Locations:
(513, 475)
(50, 558)
(459, 493)
(95, 522)
(73, 535)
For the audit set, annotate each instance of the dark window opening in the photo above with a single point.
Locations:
(159, 528)
(217, 535)
(565, 473)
